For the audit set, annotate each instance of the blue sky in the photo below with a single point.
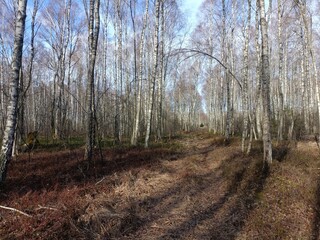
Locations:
(190, 8)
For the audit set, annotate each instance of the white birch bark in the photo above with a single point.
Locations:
(134, 137)
(245, 80)
(161, 76)
(8, 138)
(308, 44)
(281, 78)
(265, 80)
(93, 28)
(154, 73)
(117, 134)
(226, 74)
(258, 104)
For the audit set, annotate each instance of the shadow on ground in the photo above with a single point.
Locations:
(316, 220)
(195, 207)
(65, 169)
(197, 204)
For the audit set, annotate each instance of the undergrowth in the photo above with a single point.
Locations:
(195, 186)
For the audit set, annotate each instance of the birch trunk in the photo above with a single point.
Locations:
(66, 71)
(308, 43)
(154, 73)
(93, 27)
(258, 104)
(265, 80)
(161, 77)
(8, 138)
(32, 53)
(245, 80)
(281, 79)
(117, 133)
(134, 138)
(226, 74)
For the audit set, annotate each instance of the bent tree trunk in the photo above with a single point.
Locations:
(8, 138)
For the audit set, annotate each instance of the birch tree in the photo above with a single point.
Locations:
(24, 89)
(154, 72)
(161, 76)
(93, 28)
(309, 51)
(245, 79)
(135, 132)
(119, 72)
(258, 98)
(8, 138)
(281, 75)
(265, 80)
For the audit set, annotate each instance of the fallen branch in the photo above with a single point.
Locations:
(15, 210)
(49, 208)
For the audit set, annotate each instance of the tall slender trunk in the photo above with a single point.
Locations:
(134, 138)
(258, 104)
(226, 74)
(117, 133)
(265, 80)
(161, 77)
(245, 79)
(8, 138)
(66, 70)
(154, 73)
(309, 50)
(93, 28)
(281, 79)
(303, 107)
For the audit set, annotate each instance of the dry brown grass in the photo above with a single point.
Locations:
(288, 206)
(205, 190)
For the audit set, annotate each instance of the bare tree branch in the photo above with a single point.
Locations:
(196, 51)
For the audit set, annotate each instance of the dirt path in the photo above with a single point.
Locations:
(201, 194)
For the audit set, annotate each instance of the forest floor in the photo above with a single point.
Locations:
(192, 187)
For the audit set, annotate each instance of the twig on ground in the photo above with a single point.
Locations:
(100, 180)
(49, 208)
(15, 210)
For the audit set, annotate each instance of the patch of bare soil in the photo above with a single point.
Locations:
(205, 190)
